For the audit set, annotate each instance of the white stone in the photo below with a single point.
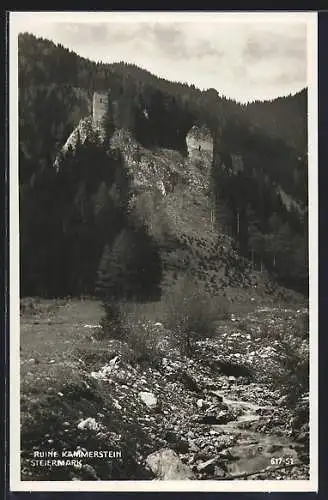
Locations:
(90, 424)
(148, 398)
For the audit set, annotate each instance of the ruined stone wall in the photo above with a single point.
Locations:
(199, 140)
(99, 107)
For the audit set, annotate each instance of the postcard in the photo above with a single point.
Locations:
(163, 251)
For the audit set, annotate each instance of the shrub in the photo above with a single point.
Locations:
(111, 325)
(191, 312)
(126, 322)
(143, 339)
(292, 379)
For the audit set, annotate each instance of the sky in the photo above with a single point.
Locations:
(245, 57)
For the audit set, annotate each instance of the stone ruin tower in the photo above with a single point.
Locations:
(99, 108)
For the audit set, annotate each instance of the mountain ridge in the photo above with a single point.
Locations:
(116, 65)
(37, 49)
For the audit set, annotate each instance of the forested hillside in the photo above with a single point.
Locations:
(77, 227)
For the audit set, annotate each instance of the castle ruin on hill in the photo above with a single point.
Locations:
(99, 108)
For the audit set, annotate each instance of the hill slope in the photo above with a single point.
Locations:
(200, 211)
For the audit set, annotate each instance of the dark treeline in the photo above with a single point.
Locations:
(270, 227)
(75, 222)
(266, 232)
(77, 233)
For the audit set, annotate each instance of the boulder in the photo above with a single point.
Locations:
(149, 399)
(89, 424)
(166, 465)
(217, 416)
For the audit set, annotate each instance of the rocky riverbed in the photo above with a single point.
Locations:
(213, 415)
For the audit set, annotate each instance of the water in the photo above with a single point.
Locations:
(254, 451)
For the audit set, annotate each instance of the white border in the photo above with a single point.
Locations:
(15, 25)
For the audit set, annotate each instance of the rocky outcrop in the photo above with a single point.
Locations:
(170, 194)
(160, 170)
(86, 129)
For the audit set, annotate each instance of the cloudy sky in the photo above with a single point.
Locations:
(247, 57)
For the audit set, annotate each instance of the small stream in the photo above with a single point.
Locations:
(253, 450)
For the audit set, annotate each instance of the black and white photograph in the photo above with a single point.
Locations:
(163, 251)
